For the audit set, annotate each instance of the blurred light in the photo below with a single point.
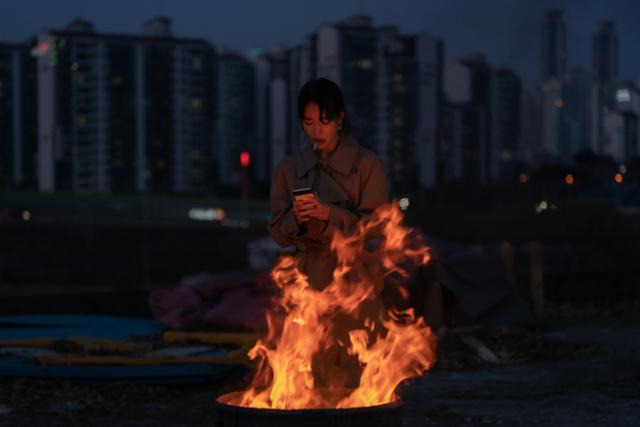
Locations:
(365, 64)
(568, 179)
(403, 203)
(196, 104)
(623, 95)
(524, 178)
(559, 103)
(245, 159)
(42, 48)
(543, 205)
(622, 169)
(255, 51)
(236, 223)
(26, 215)
(618, 178)
(505, 155)
(206, 214)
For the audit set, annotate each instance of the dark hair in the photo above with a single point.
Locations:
(327, 95)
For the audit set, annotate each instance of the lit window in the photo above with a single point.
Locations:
(623, 95)
(364, 64)
(196, 104)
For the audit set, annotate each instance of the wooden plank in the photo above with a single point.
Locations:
(213, 338)
(234, 358)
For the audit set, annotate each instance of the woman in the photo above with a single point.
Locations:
(347, 181)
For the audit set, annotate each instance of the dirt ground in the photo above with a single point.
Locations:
(574, 371)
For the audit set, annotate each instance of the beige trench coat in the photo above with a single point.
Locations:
(351, 181)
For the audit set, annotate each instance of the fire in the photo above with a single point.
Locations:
(338, 347)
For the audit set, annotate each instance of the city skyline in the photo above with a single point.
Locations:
(506, 31)
(157, 111)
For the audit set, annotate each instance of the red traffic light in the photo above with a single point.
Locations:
(245, 159)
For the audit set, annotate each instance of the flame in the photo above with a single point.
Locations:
(335, 347)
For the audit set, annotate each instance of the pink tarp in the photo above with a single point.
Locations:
(231, 302)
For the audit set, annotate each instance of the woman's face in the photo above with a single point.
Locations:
(322, 132)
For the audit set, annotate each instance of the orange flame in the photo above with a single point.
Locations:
(335, 348)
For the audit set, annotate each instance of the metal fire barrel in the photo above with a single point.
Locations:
(387, 415)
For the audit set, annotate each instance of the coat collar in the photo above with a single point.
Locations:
(341, 159)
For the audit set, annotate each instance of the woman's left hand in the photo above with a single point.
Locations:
(313, 208)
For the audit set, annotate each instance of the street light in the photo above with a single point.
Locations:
(568, 179)
(245, 160)
(618, 178)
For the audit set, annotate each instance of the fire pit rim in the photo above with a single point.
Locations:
(310, 411)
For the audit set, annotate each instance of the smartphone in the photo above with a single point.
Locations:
(304, 193)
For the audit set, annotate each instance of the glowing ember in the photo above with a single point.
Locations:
(337, 347)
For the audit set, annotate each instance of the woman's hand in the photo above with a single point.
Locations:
(309, 208)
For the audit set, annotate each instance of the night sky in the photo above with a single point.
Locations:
(507, 31)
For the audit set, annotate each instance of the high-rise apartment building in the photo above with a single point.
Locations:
(235, 129)
(18, 112)
(506, 93)
(122, 113)
(466, 153)
(605, 53)
(273, 105)
(553, 46)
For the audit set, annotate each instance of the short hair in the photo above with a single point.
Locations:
(327, 95)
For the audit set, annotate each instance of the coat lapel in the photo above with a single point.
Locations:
(310, 173)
